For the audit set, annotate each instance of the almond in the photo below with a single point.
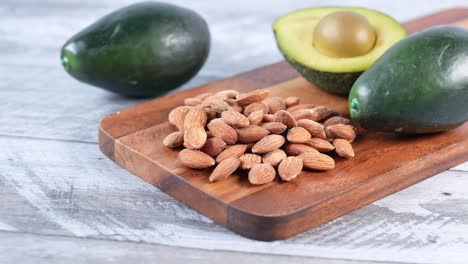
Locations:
(232, 151)
(315, 129)
(292, 101)
(196, 116)
(300, 106)
(203, 96)
(320, 144)
(295, 149)
(275, 127)
(268, 143)
(195, 137)
(217, 106)
(341, 131)
(261, 174)
(233, 103)
(252, 97)
(214, 146)
(248, 160)
(268, 118)
(255, 107)
(224, 169)
(221, 97)
(195, 159)
(177, 116)
(302, 114)
(317, 161)
(298, 135)
(289, 168)
(210, 113)
(229, 93)
(274, 157)
(192, 101)
(336, 120)
(320, 113)
(222, 130)
(286, 118)
(251, 134)
(343, 148)
(234, 118)
(174, 140)
(255, 118)
(275, 104)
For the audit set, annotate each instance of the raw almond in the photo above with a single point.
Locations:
(286, 118)
(195, 159)
(221, 97)
(292, 101)
(261, 174)
(174, 140)
(224, 169)
(218, 106)
(222, 130)
(177, 116)
(252, 97)
(268, 143)
(235, 118)
(295, 149)
(317, 161)
(341, 131)
(315, 129)
(268, 118)
(248, 160)
(320, 144)
(214, 146)
(300, 106)
(343, 148)
(275, 127)
(298, 135)
(274, 157)
(289, 168)
(302, 114)
(336, 120)
(256, 117)
(194, 137)
(232, 151)
(229, 93)
(251, 134)
(320, 113)
(192, 101)
(255, 107)
(275, 104)
(203, 96)
(196, 116)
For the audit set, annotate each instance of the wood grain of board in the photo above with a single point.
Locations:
(384, 163)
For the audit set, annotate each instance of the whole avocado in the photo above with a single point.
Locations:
(420, 85)
(144, 49)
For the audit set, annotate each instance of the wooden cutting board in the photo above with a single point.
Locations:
(384, 163)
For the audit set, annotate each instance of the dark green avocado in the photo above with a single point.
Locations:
(144, 49)
(420, 85)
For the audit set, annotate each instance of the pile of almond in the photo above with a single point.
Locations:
(252, 132)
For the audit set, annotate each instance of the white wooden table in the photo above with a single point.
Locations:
(62, 201)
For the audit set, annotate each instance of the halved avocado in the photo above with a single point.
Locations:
(294, 34)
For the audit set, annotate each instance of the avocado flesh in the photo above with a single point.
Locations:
(294, 37)
(420, 85)
(144, 49)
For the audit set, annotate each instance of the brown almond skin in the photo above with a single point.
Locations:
(248, 160)
(292, 101)
(261, 174)
(320, 144)
(317, 161)
(192, 101)
(196, 116)
(303, 114)
(334, 120)
(268, 118)
(286, 118)
(274, 157)
(294, 149)
(195, 137)
(315, 129)
(221, 97)
(203, 96)
(217, 106)
(174, 140)
(275, 127)
(298, 135)
(229, 93)
(232, 151)
(251, 134)
(255, 107)
(252, 97)
(275, 104)
(290, 168)
(177, 116)
(268, 143)
(343, 148)
(224, 169)
(300, 106)
(341, 131)
(213, 146)
(195, 159)
(256, 117)
(235, 118)
(320, 113)
(222, 130)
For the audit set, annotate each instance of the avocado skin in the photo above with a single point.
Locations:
(141, 50)
(420, 85)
